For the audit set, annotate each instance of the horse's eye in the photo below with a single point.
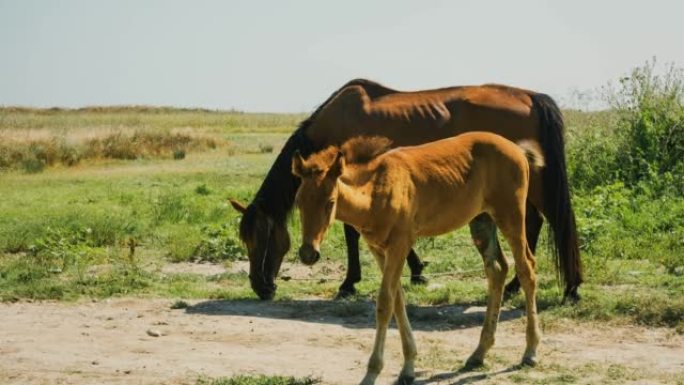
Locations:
(329, 206)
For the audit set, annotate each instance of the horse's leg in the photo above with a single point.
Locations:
(483, 228)
(514, 231)
(416, 267)
(353, 264)
(533, 225)
(391, 262)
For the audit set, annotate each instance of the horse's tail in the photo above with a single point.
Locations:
(557, 205)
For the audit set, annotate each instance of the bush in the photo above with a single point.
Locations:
(640, 142)
(218, 244)
(651, 109)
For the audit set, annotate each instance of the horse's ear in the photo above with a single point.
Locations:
(337, 167)
(238, 206)
(297, 164)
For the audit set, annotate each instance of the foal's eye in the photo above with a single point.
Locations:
(329, 206)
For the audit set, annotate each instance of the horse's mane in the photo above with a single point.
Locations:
(276, 194)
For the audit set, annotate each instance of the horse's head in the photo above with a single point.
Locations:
(316, 198)
(267, 242)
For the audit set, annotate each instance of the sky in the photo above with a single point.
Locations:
(289, 56)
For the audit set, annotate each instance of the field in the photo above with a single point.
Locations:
(114, 221)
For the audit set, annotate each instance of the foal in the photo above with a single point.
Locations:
(426, 190)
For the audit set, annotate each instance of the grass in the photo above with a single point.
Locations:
(32, 139)
(68, 232)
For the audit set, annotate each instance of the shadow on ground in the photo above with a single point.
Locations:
(355, 314)
(462, 376)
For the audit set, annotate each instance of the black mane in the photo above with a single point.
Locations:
(276, 194)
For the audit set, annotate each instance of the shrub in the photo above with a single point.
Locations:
(640, 142)
(651, 110)
(265, 148)
(202, 189)
(218, 244)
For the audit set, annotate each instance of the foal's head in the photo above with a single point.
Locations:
(317, 197)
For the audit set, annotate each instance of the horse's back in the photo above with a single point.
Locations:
(415, 117)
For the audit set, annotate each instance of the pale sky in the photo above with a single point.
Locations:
(288, 56)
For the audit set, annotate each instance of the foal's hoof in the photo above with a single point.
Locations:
(473, 363)
(418, 280)
(405, 380)
(345, 292)
(529, 362)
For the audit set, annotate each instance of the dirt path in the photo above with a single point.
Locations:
(107, 343)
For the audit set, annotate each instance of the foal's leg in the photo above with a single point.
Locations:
(496, 268)
(353, 265)
(408, 344)
(391, 262)
(533, 225)
(514, 231)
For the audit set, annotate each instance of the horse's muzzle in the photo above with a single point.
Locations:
(308, 255)
(265, 290)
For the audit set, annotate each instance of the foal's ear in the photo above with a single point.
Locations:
(238, 206)
(297, 164)
(337, 167)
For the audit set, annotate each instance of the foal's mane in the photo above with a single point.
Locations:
(363, 149)
(359, 150)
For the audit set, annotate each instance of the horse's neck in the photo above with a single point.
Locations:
(353, 204)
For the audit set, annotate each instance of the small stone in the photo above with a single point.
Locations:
(154, 333)
(95, 363)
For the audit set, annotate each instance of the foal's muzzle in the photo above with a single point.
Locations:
(308, 255)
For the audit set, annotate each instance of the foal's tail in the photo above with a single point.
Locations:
(535, 159)
(557, 205)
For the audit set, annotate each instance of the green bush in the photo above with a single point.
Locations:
(644, 146)
(218, 244)
(651, 109)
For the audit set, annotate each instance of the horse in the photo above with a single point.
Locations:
(409, 192)
(363, 107)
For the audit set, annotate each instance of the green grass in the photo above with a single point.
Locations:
(66, 233)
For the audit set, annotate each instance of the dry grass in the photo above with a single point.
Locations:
(32, 139)
(34, 149)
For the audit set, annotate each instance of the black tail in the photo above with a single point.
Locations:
(557, 205)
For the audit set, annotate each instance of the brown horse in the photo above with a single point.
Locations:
(362, 107)
(426, 190)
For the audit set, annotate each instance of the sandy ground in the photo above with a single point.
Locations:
(107, 342)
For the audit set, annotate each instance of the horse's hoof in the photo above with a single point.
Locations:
(509, 293)
(405, 380)
(345, 293)
(418, 280)
(473, 363)
(573, 298)
(529, 362)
